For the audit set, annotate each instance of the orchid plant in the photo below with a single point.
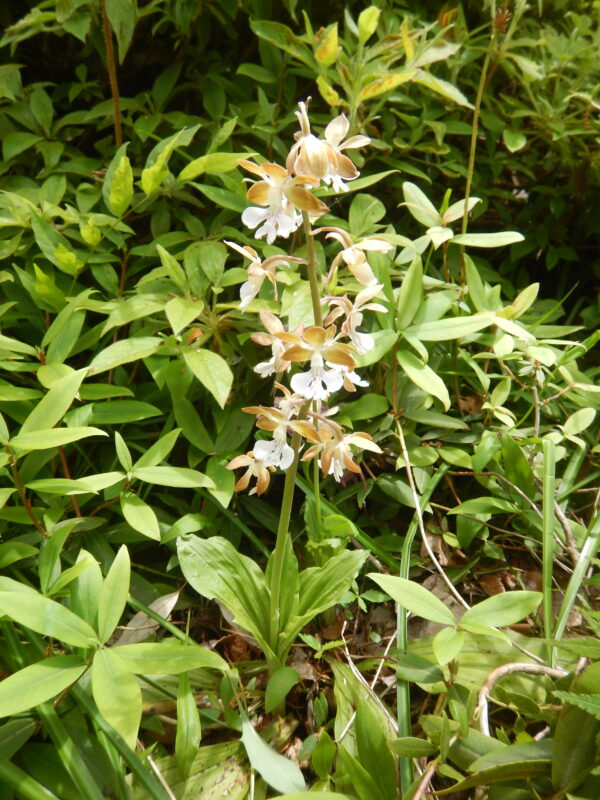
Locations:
(310, 363)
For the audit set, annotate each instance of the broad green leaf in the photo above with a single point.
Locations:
(181, 477)
(410, 293)
(384, 341)
(513, 140)
(213, 162)
(415, 598)
(85, 591)
(181, 312)
(435, 419)
(123, 453)
(498, 239)
(169, 657)
(71, 573)
(444, 88)
(223, 479)
(159, 451)
(14, 734)
(484, 505)
(588, 702)
(212, 371)
(278, 687)
(477, 291)
(124, 351)
(514, 753)
(33, 685)
(504, 609)
(123, 17)
(54, 405)
(117, 694)
(411, 747)
(173, 268)
(516, 762)
(281, 36)
(385, 83)
(367, 23)
(576, 725)
(579, 421)
(140, 515)
(13, 551)
(215, 569)
(322, 587)
(114, 594)
(447, 644)
(419, 205)
(443, 330)
(327, 92)
(54, 437)
(368, 406)
(423, 376)
(47, 617)
(189, 730)
(415, 669)
(120, 190)
(62, 486)
(278, 771)
(522, 302)
(327, 48)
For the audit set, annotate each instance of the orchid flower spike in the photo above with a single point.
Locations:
(259, 270)
(323, 158)
(281, 195)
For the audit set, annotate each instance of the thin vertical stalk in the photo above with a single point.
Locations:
(311, 268)
(548, 540)
(588, 552)
(402, 686)
(280, 544)
(111, 66)
(473, 146)
(290, 476)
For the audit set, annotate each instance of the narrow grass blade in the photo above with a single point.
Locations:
(548, 540)
(25, 786)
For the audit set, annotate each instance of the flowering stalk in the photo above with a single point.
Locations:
(311, 268)
(281, 202)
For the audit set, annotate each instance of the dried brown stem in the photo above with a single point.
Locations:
(111, 66)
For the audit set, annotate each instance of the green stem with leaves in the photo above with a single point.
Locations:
(285, 514)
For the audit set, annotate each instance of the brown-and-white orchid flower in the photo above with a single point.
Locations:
(353, 315)
(255, 468)
(354, 253)
(273, 327)
(259, 270)
(323, 158)
(278, 196)
(320, 345)
(333, 447)
(276, 453)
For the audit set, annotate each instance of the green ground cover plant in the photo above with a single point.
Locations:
(298, 402)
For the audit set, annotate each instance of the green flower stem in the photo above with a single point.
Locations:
(280, 545)
(311, 268)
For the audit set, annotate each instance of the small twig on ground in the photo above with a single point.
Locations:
(500, 672)
(369, 687)
(422, 531)
(160, 778)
